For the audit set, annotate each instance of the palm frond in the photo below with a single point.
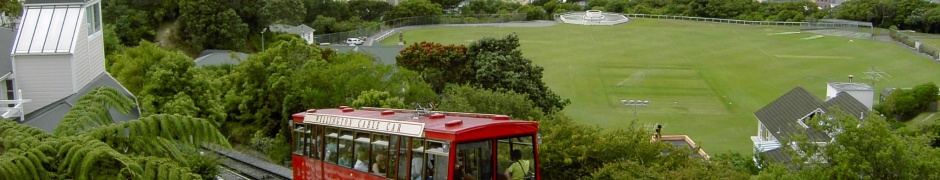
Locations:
(92, 110)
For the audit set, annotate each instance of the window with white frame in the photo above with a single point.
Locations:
(809, 116)
(93, 18)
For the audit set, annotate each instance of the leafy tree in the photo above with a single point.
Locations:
(447, 4)
(260, 84)
(373, 98)
(166, 82)
(496, 64)
(488, 6)
(208, 24)
(112, 42)
(87, 144)
(290, 12)
(438, 64)
(291, 77)
(534, 12)
(572, 150)
(466, 98)
(866, 149)
(499, 64)
(411, 8)
(904, 104)
(369, 10)
(13, 8)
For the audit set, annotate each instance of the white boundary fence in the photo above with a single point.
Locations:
(735, 21)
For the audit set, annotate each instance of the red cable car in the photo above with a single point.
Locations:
(377, 143)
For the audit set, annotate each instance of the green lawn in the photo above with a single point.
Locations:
(932, 42)
(703, 79)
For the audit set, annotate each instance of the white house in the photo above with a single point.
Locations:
(787, 115)
(305, 32)
(860, 91)
(57, 55)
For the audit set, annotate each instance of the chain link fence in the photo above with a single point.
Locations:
(340, 37)
(914, 43)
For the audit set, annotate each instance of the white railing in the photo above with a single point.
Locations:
(17, 109)
(763, 146)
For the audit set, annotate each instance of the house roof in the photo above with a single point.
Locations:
(48, 117)
(6, 46)
(850, 86)
(385, 54)
(48, 29)
(54, 1)
(782, 115)
(847, 104)
(219, 57)
(776, 155)
(299, 29)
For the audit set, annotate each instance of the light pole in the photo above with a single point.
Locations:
(262, 38)
(635, 105)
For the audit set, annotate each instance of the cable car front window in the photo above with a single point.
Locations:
(516, 157)
(474, 160)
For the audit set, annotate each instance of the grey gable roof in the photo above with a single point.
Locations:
(48, 117)
(6, 47)
(777, 155)
(219, 57)
(781, 115)
(847, 104)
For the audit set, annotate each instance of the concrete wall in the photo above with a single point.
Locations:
(43, 78)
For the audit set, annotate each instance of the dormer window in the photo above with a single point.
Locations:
(809, 116)
(93, 18)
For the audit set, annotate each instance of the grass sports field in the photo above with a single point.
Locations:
(702, 79)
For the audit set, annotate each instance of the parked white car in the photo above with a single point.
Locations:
(354, 41)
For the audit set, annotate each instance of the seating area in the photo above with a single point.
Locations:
(592, 17)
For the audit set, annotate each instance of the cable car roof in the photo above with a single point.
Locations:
(450, 126)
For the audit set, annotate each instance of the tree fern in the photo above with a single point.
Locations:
(92, 110)
(87, 144)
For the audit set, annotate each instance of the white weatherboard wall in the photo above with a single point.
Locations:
(89, 55)
(866, 97)
(43, 78)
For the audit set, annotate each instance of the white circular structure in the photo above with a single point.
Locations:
(593, 17)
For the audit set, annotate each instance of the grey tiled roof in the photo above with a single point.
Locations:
(781, 115)
(6, 46)
(847, 104)
(219, 57)
(777, 155)
(299, 29)
(49, 116)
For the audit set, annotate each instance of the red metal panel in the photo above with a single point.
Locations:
(306, 168)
